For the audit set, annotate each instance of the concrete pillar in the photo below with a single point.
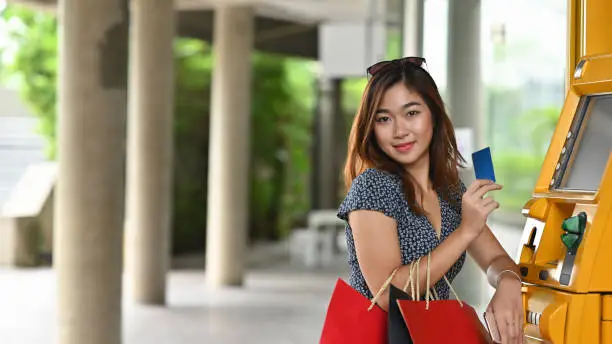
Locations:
(228, 190)
(464, 90)
(413, 19)
(150, 149)
(328, 163)
(463, 61)
(89, 199)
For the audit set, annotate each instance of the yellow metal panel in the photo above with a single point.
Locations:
(597, 256)
(589, 31)
(558, 317)
(606, 309)
(552, 325)
(606, 332)
(573, 40)
(537, 208)
(581, 312)
(595, 75)
(550, 247)
(596, 30)
(558, 140)
(593, 88)
(584, 319)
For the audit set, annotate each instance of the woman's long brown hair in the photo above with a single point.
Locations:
(364, 152)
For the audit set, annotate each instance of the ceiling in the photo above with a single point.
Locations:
(287, 27)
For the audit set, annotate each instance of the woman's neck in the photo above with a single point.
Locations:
(419, 170)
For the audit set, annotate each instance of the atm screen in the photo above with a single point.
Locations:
(590, 145)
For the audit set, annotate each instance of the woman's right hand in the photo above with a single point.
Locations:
(476, 208)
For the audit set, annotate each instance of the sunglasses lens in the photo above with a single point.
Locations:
(423, 64)
(377, 67)
(417, 61)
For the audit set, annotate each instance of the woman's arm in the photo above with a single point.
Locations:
(377, 244)
(378, 252)
(492, 258)
(506, 306)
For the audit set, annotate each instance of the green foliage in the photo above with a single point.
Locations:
(518, 166)
(281, 136)
(537, 127)
(34, 65)
(518, 172)
(282, 102)
(351, 98)
(193, 65)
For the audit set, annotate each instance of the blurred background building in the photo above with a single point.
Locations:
(199, 147)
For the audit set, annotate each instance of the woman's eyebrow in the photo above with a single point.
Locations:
(405, 106)
(409, 104)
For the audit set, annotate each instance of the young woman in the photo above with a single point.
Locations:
(406, 200)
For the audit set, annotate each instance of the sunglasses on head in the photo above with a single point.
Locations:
(413, 60)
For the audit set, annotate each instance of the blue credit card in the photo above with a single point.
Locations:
(483, 164)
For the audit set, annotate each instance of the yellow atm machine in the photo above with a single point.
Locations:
(566, 250)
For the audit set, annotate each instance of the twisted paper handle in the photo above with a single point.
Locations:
(447, 282)
(414, 270)
(414, 266)
(383, 288)
(415, 294)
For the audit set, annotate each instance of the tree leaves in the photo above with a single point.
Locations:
(282, 111)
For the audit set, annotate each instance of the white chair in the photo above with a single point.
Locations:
(324, 225)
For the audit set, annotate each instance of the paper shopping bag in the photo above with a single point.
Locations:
(460, 321)
(354, 319)
(424, 319)
(396, 327)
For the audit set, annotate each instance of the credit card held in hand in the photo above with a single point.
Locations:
(483, 164)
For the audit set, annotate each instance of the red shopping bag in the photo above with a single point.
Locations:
(460, 321)
(353, 319)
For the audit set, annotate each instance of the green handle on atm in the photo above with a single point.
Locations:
(570, 240)
(575, 224)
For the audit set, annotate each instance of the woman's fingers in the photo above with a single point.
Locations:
(502, 327)
(509, 328)
(487, 201)
(486, 188)
(520, 327)
(513, 331)
(477, 184)
(490, 206)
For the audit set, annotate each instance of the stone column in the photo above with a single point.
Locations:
(464, 90)
(413, 18)
(328, 163)
(89, 199)
(150, 149)
(464, 74)
(228, 190)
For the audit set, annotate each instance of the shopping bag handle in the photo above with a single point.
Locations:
(445, 279)
(383, 288)
(414, 267)
(410, 282)
(414, 270)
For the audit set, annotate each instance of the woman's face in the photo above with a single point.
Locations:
(403, 125)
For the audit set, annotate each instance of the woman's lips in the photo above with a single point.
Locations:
(404, 147)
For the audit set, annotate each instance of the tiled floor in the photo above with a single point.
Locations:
(280, 304)
(277, 305)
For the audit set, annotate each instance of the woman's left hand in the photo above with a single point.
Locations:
(507, 309)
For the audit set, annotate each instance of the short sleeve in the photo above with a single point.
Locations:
(373, 190)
